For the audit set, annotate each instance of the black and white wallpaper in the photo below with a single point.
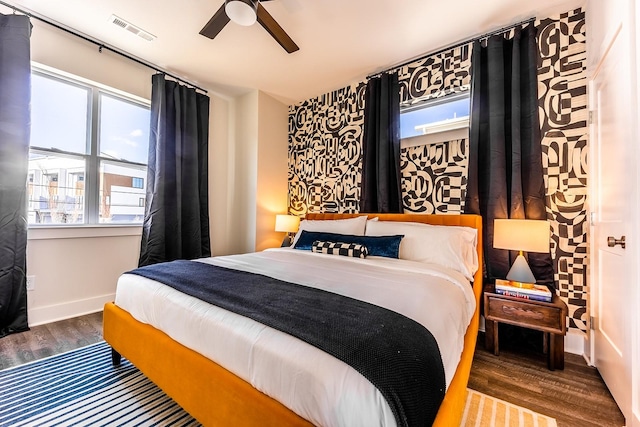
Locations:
(325, 152)
(435, 76)
(325, 135)
(562, 93)
(434, 177)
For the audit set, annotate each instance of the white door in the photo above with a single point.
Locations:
(614, 193)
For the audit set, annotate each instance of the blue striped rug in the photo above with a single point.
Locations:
(82, 388)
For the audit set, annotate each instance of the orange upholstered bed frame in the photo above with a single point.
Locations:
(216, 397)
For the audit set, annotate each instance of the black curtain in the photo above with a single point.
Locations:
(505, 159)
(15, 98)
(176, 222)
(381, 186)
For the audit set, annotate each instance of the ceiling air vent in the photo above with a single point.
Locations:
(131, 28)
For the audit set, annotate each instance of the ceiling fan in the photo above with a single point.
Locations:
(246, 12)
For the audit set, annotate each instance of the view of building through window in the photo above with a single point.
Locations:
(119, 195)
(435, 115)
(74, 178)
(55, 189)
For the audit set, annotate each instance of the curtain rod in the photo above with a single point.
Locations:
(453, 46)
(100, 45)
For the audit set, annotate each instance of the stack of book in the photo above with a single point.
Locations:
(523, 290)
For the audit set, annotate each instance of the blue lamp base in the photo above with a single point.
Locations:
(520, 271)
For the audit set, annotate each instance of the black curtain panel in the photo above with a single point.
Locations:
(176, 222)
(505, 159)
(381, 186)
(15, 98)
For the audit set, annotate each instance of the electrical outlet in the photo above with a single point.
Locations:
(31, 283)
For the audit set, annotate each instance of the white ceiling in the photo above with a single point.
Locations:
(341, 41)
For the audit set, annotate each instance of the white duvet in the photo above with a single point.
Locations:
(315, 385)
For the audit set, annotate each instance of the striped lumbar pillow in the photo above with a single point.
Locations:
(355, 250)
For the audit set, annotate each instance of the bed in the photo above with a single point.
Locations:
(216, 396)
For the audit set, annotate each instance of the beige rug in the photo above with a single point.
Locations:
(486, 411)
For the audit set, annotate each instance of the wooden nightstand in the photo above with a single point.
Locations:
(548, 317)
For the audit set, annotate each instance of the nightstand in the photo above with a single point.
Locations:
(548, 317)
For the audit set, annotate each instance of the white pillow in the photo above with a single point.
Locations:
(449, 246)
(354, 226)
(375, 218)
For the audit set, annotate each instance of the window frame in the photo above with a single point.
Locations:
(92, 157)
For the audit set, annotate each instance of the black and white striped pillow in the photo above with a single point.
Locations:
(355, 250)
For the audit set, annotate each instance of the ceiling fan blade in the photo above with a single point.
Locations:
(215, 24)
(276, 31)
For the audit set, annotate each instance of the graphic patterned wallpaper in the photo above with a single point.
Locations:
(435, 76)
(325, 135)
(325, 152)
(562, 93)
(434, 177)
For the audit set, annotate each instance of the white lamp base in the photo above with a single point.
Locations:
(520, 271)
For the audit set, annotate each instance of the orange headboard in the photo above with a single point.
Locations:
(473, 221)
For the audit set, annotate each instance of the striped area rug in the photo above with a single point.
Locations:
(481, 410)
(81, 388)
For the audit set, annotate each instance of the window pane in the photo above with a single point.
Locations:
(55, 189)
(122, 193)
(434, 115)
(124, 130)
(58, 114)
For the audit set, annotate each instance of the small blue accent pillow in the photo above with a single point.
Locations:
(386, 246)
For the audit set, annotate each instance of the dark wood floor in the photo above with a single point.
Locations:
(575, 397)
(47, 340)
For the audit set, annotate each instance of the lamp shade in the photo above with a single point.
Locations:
(521, 235)
(242, 12)
(287, 223)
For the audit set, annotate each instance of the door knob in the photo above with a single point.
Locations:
(612, 241)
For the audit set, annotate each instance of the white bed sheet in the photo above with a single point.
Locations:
(315, 385)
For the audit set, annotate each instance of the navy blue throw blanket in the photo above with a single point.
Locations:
(396, 354)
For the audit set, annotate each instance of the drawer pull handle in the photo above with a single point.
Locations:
(515, 311)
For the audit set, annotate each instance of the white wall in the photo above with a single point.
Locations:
(273, 159)
(66, 52)
(221, 142)
(260, 171)
(245, 161)
(76, 269)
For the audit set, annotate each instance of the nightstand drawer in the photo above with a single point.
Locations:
(525, 313)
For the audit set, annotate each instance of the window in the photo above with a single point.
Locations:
(88, 153)
(438, 115)
(137, 182)
(119, 198)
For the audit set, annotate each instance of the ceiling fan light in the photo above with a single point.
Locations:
(242, 12)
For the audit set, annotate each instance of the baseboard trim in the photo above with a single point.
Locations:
(574, 343)
(67, 310)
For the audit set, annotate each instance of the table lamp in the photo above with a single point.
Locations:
(522, 235)
(288, 224)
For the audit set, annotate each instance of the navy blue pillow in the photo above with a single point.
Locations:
(386, 246)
